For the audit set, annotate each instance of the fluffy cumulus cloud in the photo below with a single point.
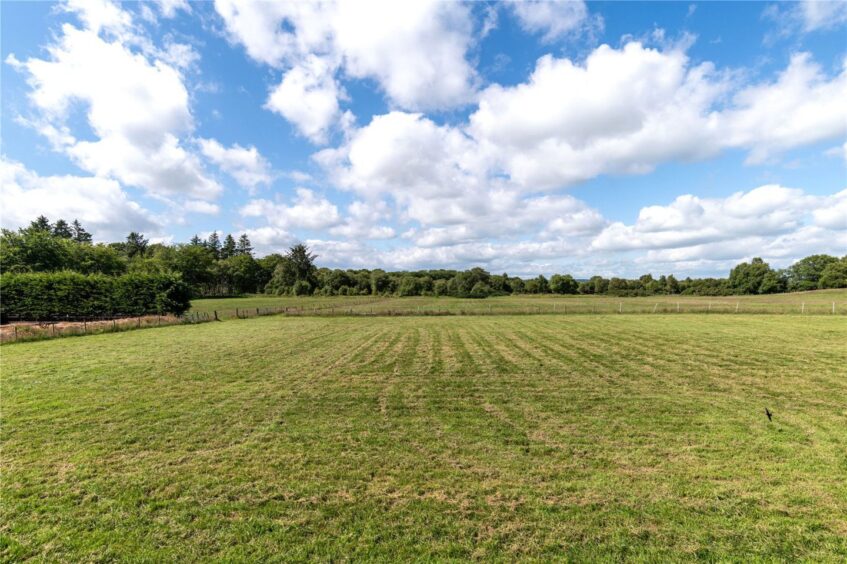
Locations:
(137, 107)
(308, 97)
(307, 211)
(415, 51)
(555, 19)
(772, 221)
(98, 203)
(802, 106)
(245, 164)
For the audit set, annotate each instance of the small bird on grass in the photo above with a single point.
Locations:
(769, 414)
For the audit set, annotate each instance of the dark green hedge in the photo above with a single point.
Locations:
(53, 295)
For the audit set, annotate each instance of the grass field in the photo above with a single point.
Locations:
(503, 437)
(817, 302)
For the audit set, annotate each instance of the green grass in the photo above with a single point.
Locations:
(818, 302)
(600, 437)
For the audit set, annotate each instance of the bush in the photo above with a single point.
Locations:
(52, 295)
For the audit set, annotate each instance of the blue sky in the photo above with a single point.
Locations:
(527, 137)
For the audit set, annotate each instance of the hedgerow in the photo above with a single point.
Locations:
(53, 295)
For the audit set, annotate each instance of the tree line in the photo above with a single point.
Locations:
(215, 267)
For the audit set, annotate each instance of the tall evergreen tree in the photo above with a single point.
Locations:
(213, 243)
(228, 248)
(136, 244)
(41, 223)
(196, 241)
(80, 235)
(244, 247)
(62, 229)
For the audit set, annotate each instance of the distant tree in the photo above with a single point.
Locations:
(244, 247)
(563, 284)
(213, 243)
(805, 274)
(409, 286)
(303, 262)
(196, 241)
(62, 229)
(672, 285)
(773, 282)
(302, 288)
(747, 278)
(834, 275)
(80, 235)
(136, 245)
(228, 248)
(41, 223)
(480, 290)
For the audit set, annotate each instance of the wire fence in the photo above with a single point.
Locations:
(24, 330)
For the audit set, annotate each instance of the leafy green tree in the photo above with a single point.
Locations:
(228, 248)
(34, 250)
(136, 245)
(747, 278)
(80, 235)
(409, 286)
(773, 282)
(62, 229)
(480, 290)
(563, 284)
(834, 275)
(805, 274)
(672, 285)
(302, 288)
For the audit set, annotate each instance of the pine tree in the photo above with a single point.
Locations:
(213, 243)
(196, 241)
(41, 223)
(244, 247)
(62, 229)
(80, 235)
(228, 249)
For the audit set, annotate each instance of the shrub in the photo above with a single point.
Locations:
(51, 295)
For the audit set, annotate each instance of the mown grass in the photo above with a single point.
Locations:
(489, 438)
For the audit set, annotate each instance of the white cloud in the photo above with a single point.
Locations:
(308, 211)
(245, 164)
(199, 206)
(135, 107)
(823, 14)
(100, 15)
(308, 98)
(98, 203)
(415, 51)
(169, 8)
(634, 108)
(362, 221)
(555, 19)
(777, 223)
(802, 106)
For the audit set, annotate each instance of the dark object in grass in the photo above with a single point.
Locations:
(769, 414)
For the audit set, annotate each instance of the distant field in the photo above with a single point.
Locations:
(817, 302)
(605, 437)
